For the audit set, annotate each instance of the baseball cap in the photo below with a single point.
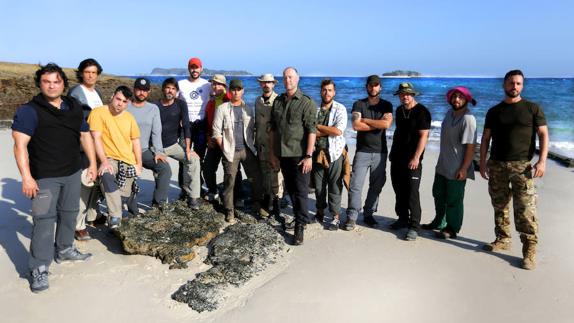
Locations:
(194, 61)
(235, 84)
(373, 79)
(142, 83)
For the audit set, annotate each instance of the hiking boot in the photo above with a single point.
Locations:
(370, 221)
(320, 216)
(411, 235)
(529, 256)
(114, 222)
(497, 245)
(39, 279)
(398, 224)
(193, 203)
(334, 224)
(350, 225)
(230, 216)
(82, 235)
(265, 202)
(71, 254)
(298, 236)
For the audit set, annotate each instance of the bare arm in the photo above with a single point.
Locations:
(384, 123)
(88, 145)
(323, 131)
(484, 145)
(137, 149)
(29, 185)
(101, 154)
(359, 125)
(414, 163)
(468, 156)
(308, 162)
(540, 166)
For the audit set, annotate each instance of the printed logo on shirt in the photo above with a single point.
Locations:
(195, 94)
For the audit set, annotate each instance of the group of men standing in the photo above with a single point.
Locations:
(63, 143)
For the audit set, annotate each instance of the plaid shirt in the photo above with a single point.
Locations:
(126, 171)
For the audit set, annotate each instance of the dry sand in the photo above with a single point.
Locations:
(368, 275)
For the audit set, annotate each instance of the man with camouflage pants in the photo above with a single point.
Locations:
(512, 125)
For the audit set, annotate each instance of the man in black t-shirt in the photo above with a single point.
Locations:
(371, 117)
(412, 129)
(513, 125)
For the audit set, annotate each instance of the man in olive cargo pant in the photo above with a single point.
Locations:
(513, 125)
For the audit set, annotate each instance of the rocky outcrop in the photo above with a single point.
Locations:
(170, 234)
(238, 254)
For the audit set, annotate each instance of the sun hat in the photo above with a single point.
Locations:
(267, 78)
(462, 90)
(406, 87)
(218, 78)
(85, 180)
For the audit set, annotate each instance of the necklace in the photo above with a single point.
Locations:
(405, 114)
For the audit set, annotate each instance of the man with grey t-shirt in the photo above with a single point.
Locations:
(454, 165)
(149, 122)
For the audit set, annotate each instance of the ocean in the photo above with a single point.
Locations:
(555, 95)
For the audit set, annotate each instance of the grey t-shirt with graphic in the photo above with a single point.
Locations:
(456, 132)
(238, 128)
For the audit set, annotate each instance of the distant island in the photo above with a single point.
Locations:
(206, 72)
(401, 73)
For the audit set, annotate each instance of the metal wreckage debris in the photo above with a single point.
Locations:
(237, 254)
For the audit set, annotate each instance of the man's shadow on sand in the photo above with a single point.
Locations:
(460, 242)
(14, 208)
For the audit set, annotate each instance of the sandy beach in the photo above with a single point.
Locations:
(368, 275)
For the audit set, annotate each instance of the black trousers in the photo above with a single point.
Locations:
(297, 185)
(406, 183)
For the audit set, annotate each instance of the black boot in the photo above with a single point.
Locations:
(265, 202)
(299, 232)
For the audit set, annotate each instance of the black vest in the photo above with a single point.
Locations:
(54, 149)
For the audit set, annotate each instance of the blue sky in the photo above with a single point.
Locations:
(443, 37)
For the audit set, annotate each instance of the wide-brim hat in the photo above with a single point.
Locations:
(462, 90)
(406, 87)
(267, 78)
(219, 78)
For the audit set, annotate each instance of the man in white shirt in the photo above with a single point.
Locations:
(195, 91)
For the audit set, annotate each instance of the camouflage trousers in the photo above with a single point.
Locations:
(272, 180)
(513, 180)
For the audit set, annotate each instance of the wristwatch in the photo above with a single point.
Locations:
(307, 156)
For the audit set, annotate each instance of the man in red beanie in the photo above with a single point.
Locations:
(454, 165)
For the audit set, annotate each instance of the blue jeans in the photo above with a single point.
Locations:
(376, 164)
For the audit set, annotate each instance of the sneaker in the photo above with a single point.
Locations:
(82, 235)
(193, 203)
(299, 233)
(411, 235)
(71, 254)
(370, 221)
(212, 197)
(350, 225)
(334, 225)
(398, 224)
(446, 234)
(288, 226)
(114, 222)
(497, 245)
(39, 279)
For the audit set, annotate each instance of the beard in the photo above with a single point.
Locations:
(455, 108)
(169, 96)
(139, 99)
(512, 93)
(373, 94)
